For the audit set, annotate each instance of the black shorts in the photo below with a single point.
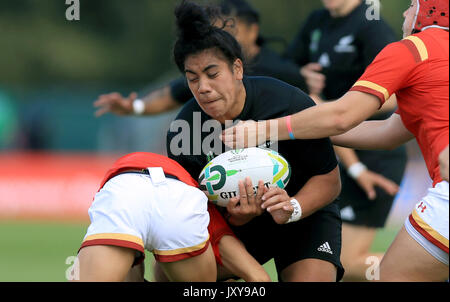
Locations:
(356, 208)
(317, 236)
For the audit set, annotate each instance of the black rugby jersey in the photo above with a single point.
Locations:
(265, 63)
(267, 98)
(344, 46)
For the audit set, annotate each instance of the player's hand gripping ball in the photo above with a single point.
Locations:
(219, 179)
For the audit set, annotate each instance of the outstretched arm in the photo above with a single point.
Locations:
(365, 178)
(384, 135)
(332, 118)
(389, 106)
(238, 262)
(158, 101)
(321, 121)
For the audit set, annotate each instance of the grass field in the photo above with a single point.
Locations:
(37, 251)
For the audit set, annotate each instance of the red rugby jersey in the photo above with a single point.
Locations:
(416, 69)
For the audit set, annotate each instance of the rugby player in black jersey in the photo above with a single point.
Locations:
(305, 244)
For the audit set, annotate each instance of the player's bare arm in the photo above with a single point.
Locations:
(443, 163)
(115, 103)
(238, 262)
(319, 191)
(365, 178)
(314, 79)
(383, 135)
(343, 114)
(156, 102)
(389, 106)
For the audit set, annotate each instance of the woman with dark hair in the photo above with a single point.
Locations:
(305, 245)
(243, 23)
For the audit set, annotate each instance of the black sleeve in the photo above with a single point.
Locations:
(179, 138)
(371, 46)
(180, 91)
(318, 157)
(298, 49)
(315, 156)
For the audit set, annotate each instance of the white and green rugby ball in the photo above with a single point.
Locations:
(220, 178)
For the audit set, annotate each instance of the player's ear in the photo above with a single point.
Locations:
(238, 69)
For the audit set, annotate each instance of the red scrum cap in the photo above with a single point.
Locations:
(431, 13)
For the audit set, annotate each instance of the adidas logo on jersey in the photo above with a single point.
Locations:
(325, 248)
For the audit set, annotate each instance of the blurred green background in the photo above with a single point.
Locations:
(51, 71)
(118, 42)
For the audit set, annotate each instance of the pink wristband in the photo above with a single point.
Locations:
(289, 127)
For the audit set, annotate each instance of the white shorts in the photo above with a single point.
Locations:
(169, 219)
(428, 223)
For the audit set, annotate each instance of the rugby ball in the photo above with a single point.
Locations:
(219, 179)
